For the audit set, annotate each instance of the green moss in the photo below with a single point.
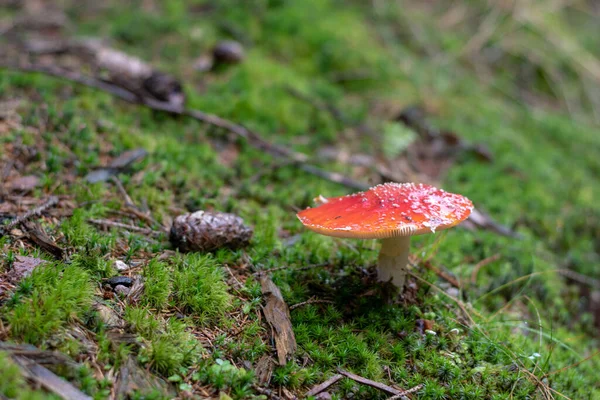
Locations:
(199, 287)
(168, 346)
(52, 297)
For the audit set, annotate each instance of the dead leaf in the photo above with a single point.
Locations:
(8, 108)
(23, 184)
(278, 315)
(264, 370)
(229, 155)
(36, 234)
(132, 378)
(117, 165)
(22, 268)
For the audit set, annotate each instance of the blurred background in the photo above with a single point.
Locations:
(257, 107)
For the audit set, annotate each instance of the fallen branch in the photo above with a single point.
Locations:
(51, 202)
(377, 385)
(130, 205)
(299, 159)
(322, 386)
(580, 278)
(310, 301)
(132, 228)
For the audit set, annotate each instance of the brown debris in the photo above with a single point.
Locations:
(8, 108)
(51, 202)
(403, 394)
(105, 223)
(264, 370)
(34, 364)
(23, 184)
(422, 325)
(133, 378)
(208, 231)
(22, 268)
(50, 381)
(278, 316)
(436, 150)
(117, 165)
(369, 382)
(132, 73)
(323, 386)
(36, 234)
(228, 52)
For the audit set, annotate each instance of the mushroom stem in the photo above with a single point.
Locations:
(393, 260)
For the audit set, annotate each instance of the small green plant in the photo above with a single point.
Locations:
(49, 299)
(222, 374)
(199, 287)
(157, 284)
(167, 345)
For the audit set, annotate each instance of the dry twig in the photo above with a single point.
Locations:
(377, 385)
(132, 228)
(322, 386)
(51, 202)
(310, 301)
(408, 391)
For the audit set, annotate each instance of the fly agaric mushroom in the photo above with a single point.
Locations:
(392, 212)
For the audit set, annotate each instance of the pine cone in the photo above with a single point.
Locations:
(208, 231)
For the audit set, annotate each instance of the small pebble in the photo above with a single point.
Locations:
(120, 265)
(121, 290)
(454, 292)
(119, 280)
(228, 51)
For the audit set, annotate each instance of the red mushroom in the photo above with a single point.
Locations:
(392, 212)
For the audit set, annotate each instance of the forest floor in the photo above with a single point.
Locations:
(497, 101)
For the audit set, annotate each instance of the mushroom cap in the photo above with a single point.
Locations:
(388, 210)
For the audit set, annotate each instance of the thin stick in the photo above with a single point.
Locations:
(572, 365)
(310, 301)
(579, 278)
(442, 274)
(482, 264)
(409, 391)
(132, 207)
(51, 202)
(322, 386)
(253, 138)
(112, 224)
(368, 382)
